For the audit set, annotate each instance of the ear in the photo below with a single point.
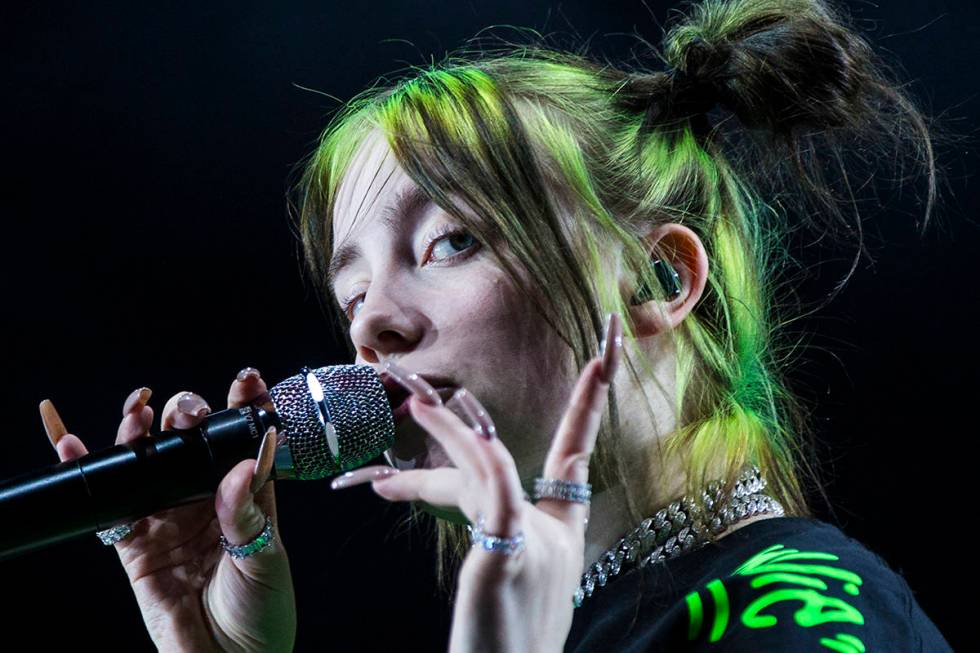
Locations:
(683, 250)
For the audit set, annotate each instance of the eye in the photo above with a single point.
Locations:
(443, 241)
(454, 237)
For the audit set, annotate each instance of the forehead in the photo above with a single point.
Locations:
(371, 181)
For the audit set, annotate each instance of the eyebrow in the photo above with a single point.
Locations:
(407, 203)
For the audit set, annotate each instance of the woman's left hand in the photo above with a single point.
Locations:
(518, 601)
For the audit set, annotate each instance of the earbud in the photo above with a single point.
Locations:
(670, 281)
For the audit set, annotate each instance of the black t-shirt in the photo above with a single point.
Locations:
(781, 584)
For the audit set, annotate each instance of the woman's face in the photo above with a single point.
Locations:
(444, 309)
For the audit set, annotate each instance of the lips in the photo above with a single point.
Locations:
(397, 394)
(411, 441)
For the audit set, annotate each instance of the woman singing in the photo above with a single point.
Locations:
(572, 269)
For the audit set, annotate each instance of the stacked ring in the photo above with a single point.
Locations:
(493, 543)
(261, 541)
(553, 488)
(112, 535)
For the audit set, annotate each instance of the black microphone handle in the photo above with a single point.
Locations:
(128, 481)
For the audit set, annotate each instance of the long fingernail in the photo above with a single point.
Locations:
(413, 383)
(362, 475)
(611, 355)
(482, 423)
(53, 425)
(191, 404)
(264, 460)
(248, 372)
(139, 397)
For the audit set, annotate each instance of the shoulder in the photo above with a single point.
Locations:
(805, 583)
(778, 584)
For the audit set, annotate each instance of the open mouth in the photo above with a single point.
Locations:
(401, 411)
(413, 445)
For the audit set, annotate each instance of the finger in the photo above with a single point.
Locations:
(184, 410)
(248, 388)
(66, 445)
(264, 460)
(53, 425)
(460, 440)
(500, 481)
(570, 452)
(362, 475)
(477, 453)
(137, 416)
(479, 419)
(261, 485)
(441, 487)
(241, 517)
(445, 426)
(70, 447)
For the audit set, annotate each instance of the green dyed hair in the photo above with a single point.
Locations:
(565, 158)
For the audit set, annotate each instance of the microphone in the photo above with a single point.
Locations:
(329, 420)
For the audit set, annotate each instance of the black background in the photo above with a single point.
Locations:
(146, 152)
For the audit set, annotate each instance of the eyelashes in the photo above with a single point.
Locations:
(445, 233)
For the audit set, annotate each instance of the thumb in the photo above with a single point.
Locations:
(241, 519)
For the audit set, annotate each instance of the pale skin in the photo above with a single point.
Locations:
(463, 319)
(445, 310)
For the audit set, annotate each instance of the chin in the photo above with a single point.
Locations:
(417, 451)
(431, 456)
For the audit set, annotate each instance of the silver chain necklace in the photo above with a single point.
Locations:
(680, 527)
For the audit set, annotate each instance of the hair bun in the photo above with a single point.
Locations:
(695, 87)
(703, 61)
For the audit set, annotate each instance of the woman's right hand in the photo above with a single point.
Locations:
(193, 595)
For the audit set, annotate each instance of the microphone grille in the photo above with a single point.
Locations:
(336, 418)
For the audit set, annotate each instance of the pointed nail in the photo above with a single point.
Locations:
(362, 475)
(611, 355)
(53, 425)
(413, 383)
(479, 418)
(264, 460)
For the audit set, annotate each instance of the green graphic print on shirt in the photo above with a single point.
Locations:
(783, 574)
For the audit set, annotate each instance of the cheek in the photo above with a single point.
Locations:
(514, 363)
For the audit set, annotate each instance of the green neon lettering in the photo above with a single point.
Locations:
(720, 596)
(775, 561)
(696, 611)
(843, 643)
(852, 640)
(817, 609)
(777, 564)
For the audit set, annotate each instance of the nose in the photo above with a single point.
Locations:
(382, 328)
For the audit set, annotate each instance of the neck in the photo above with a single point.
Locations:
(609, 519)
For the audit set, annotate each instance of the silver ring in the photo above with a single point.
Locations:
(553, 488)
(112, 535)
(260, 542)
(505, 545)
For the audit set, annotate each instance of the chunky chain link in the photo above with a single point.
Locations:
(680, 527)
